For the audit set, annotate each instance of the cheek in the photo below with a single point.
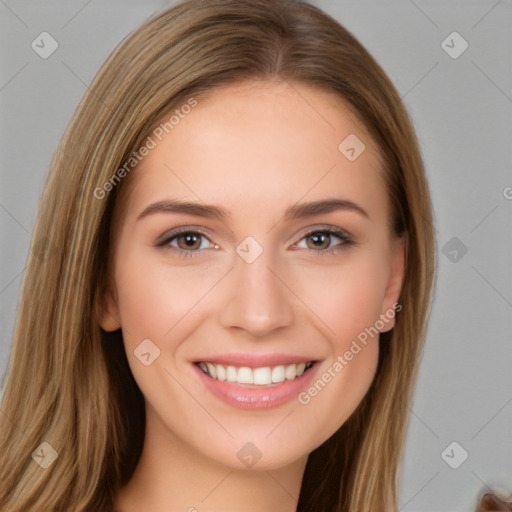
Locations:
(154, 297)
(349, 307)
(346, 298)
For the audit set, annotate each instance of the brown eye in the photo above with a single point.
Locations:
(319, 240)
(189, 240)
(185, 243)
(323, 241)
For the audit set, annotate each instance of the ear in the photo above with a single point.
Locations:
(394, 286)
(108, 311)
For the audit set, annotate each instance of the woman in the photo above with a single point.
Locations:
(257, 370)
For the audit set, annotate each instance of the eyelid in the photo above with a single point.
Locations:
(179, 230)
(326, 227)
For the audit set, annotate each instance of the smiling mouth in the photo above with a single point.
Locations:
(263, 376)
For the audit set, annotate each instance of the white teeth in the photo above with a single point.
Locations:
(211, 370)
(300, 369)
(220, 371)
(259, 376)
(290, 372)
(231, 374)
(262, 376)
(244, 375)
(278, 374)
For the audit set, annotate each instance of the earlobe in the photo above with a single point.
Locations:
(390, 305)
(107, 312)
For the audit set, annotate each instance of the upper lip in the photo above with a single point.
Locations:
(255, 360)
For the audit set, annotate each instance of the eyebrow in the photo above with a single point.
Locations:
(296, 211)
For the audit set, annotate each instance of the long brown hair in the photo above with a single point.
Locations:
(68, 381)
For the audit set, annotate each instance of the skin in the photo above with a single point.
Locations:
(254, 148)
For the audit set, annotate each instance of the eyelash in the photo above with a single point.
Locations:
(331, 230)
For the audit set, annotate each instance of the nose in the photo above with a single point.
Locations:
(257, 299)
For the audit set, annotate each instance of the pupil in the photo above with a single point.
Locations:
(190, 240)
(318, 238)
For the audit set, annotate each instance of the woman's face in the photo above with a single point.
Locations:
(278, 270)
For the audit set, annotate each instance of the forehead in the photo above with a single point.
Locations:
(257, 143)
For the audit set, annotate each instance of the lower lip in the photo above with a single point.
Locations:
(266, 397)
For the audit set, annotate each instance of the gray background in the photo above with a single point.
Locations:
(462, 110)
